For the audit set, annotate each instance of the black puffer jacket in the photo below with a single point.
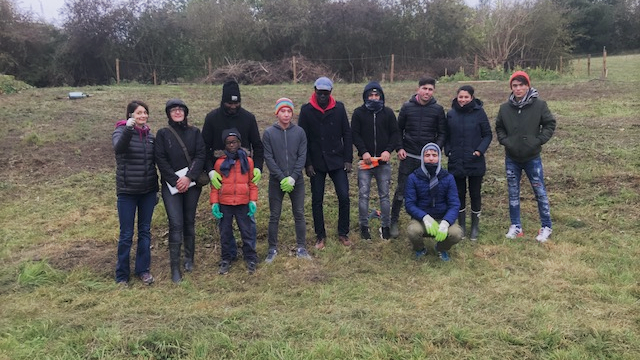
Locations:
(170, 156)
(135, 166)
(421, 124)
(468, 130)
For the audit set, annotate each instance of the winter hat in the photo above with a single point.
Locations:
(230, 132)
(522, 74)
(283, 103)
(372, 87)
(173, 103)
(230, 92)
(433, 180)
(323, 83)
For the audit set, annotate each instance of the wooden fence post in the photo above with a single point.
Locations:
(393, 65)
(117, 71)
(475, 67)
(295, 70)
(155, 78)
(210, 66)
(589, 65)
(604, 63)
(560, 65)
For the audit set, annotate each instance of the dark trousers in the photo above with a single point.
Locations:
(341, 184)
(128, 204)
(407, 166)
(276, 197)
(181, 213)
(475, 185)
(227, 242)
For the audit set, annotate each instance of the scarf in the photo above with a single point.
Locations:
(526, 100)
(230, 160)
(374, 105)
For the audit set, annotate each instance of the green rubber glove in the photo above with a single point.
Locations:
(257, 174)
(215, 211)
(287, 184)
(216, 179)
(443, 230)
(430, 225)
(252, 208)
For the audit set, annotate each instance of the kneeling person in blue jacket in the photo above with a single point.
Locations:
(431, 199)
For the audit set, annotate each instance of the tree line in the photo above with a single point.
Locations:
(354, 38)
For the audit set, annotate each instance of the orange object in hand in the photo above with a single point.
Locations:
(375, 161)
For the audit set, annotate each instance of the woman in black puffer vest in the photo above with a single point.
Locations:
(468, 138)
(137, 188)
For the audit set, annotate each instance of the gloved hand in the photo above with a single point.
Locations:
(215, 210)
(287, 184)
(443, 230)
(430, 224)
(216, 179)
(310, 171)
(252, 208)
(131, 122)
(347, 167)
(257, 174)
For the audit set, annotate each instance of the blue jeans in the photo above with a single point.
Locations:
(227, 242)
(276, 196)
(382, 173)
(254, 233)
(181, 213)
(533, 169)
(127, 206)
(341, 184)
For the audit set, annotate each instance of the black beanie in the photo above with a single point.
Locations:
(230, 132)
(230, 92)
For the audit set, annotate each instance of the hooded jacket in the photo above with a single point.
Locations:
(374, 132)
(285, 151)
(522, 130)
(441, 202)
(421, 124)
(217, 121)
(329, 143)
(135, 165)
(468, 130)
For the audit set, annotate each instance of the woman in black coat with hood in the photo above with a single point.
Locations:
(468, 138)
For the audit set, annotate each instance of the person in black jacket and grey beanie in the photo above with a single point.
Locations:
(137, 188)
(375, 135)
(421, 121)
(180, 204)
(468, 138)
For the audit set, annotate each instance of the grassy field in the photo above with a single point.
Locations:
(576, 297)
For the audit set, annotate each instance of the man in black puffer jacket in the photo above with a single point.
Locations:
(421, 121)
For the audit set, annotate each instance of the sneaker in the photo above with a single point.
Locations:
(364, 233)
(443, 255)
(271, 255)
(394, 231)
(224, 267)
(543, 234)
(251, 267)
(344, 240)
(515, 231)
(421, 253)
(320, 244)
(146, 278)
(302, 253)
(123, 284)
(385, 233)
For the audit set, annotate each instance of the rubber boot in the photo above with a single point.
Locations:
(174, 259)
(475, 222)
(189, 250)
(462, 221)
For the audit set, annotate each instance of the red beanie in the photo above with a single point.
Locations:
(520, 73)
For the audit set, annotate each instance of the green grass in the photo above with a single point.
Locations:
(576, 297)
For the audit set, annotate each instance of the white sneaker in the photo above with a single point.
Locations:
(515, 231)
(543, 234)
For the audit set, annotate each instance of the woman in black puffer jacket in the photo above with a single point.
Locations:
(137, 188)
(468, 138)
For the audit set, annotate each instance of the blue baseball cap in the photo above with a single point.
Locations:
(323, 83)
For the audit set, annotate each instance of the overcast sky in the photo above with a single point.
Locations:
(49, 9)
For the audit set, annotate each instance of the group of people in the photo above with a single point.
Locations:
(228, 155)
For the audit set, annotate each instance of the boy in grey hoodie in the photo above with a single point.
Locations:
(285, 153)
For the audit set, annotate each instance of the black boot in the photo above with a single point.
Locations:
(174, 259)
(189, 250)
(475, 222)
(462, 220)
